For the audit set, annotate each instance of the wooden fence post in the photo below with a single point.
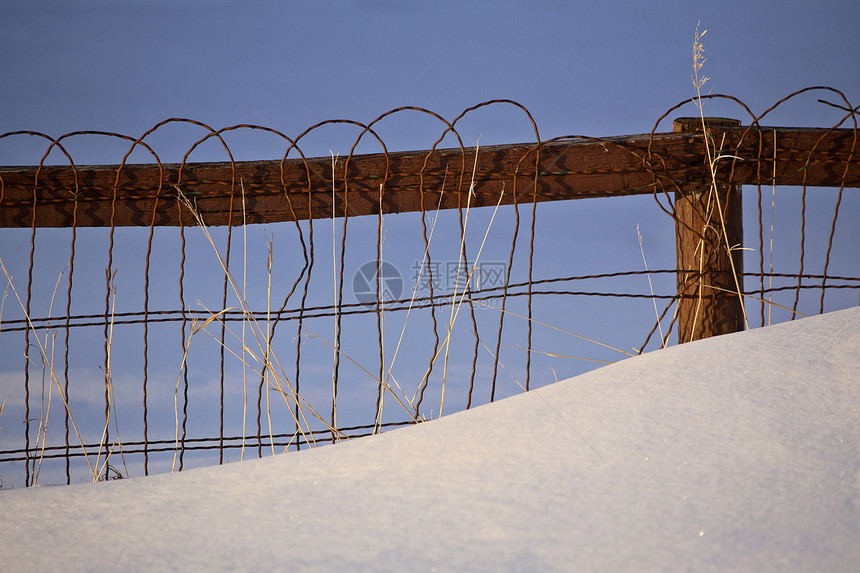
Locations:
(707, 276)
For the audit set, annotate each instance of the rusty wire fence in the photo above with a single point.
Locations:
(188, 318)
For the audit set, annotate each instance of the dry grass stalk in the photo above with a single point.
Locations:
(698, 83)
(270, 369)
(50, 368)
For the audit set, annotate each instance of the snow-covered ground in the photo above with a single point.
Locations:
(739, 453)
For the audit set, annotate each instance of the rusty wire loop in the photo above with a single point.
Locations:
(325, 320)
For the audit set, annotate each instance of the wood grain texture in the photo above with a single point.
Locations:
(140, 195)
(708, 239)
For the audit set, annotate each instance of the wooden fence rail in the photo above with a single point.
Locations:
(290, 189)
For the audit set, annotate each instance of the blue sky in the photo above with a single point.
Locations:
(598, 68)
(593, 68)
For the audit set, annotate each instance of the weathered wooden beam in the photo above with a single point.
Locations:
(140, 195)
(708, 240)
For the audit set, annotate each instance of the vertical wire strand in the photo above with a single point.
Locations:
(531, 270)
(146, 280)
(67, 330)
(829, 249)
(435, 325)
(802, 252)
(476, 349)
(836, 214)
(223, 334)
(183, 328)
(339, 319)
(760, 213)
(380, 390)
(505, 294)
(760, 234)
(27, 311)
(107, 330)
(270, 341)
(300, 321)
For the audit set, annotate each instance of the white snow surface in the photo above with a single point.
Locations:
(737, 453)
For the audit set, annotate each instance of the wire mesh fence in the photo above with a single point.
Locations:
(162, 316)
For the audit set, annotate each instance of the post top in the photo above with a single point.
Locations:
(694, 124)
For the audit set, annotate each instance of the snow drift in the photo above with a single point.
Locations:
(740, 452)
